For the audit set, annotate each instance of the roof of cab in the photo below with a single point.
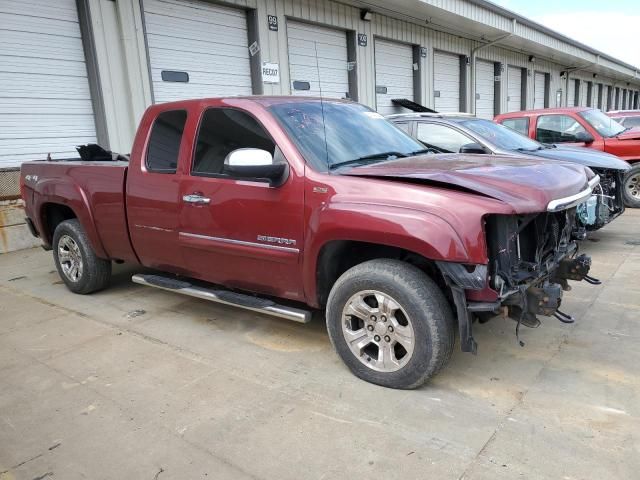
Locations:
(263, 100)
(543, 111)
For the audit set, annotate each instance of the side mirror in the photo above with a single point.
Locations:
(584, 137)
(473, 148)
(255, 164)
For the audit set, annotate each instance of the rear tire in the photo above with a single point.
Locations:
(390, 324)
(77, 264)
(631, 187)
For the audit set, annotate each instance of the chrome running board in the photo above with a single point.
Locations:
(226, 297)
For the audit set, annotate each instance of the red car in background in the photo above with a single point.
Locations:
(585, 127)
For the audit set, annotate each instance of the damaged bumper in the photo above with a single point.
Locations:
(531, 260)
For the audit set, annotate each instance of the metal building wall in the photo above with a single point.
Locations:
(124, 71)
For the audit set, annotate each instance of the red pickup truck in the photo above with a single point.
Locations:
(585, 127)
(286, 205)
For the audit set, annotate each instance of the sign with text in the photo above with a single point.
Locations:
(273, 22)
(270, 72)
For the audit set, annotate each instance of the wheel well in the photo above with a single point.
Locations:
(53, 215)
(339, 256)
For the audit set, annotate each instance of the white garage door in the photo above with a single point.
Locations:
(539, 92)
(394, 74)
(571, 96)
(45, 103)
(446, 82)
(317, 60)
(207, 42)
(485, 94)
(584, 93)
(514, 89)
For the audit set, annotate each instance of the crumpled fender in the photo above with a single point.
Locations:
(417, 231)
(57, 190)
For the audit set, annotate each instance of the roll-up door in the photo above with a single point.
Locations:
(317, 60)
(196, 49)
(394, 74)
(584, 93)
(571, 95)
(446, 82)
(45, 102)
(485, 93)
(514, 89)
(539, 92)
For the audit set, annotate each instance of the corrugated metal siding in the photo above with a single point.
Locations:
(45, 102)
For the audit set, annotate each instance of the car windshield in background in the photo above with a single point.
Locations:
(329, 134)
(501, 136)
(605, 126)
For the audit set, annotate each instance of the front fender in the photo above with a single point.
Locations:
(57, 191)
(416, 231)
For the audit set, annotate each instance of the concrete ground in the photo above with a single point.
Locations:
(136, 383)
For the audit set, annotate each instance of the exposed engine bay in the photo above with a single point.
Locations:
(531, 259)
(605, 204)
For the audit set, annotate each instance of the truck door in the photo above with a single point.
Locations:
(240, 232)
(153, 189)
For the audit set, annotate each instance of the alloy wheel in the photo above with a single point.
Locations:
(378, 331)
(70, 258)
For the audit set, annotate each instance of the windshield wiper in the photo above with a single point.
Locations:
(368, 159)
(620, 133)
(426, 150)
(524, 150)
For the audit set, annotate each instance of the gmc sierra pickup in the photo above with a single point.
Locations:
(286, 205)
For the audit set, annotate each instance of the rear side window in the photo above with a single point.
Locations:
(520, 125)
(164, 143)
(442, 137)
(404, 126)
(223, 130)
(630, 122)
(557, 129)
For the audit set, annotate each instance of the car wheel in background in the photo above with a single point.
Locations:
(631, 187)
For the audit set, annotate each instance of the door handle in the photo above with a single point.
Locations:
(196, 198)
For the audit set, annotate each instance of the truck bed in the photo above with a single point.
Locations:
(94, 190)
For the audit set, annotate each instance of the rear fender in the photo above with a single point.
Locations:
(58, 191)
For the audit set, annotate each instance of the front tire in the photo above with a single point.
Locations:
(631, 187)
(77, 264)
(390, 324)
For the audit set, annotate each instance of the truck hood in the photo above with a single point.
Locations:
(588, 157)
(633, 134)
(526, 184)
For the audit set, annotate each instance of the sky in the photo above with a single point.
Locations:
(610, 26)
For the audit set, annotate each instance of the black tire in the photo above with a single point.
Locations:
(95, 272)
(631, 187)
(425, 305)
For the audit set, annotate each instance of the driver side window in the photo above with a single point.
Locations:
(442, 137)
(558, 129)
(223, 130)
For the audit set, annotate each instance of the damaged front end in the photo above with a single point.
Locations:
(531, 259)
(605, 204)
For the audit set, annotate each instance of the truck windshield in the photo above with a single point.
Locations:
(501, 136)
(604, 125)
(330, 134)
